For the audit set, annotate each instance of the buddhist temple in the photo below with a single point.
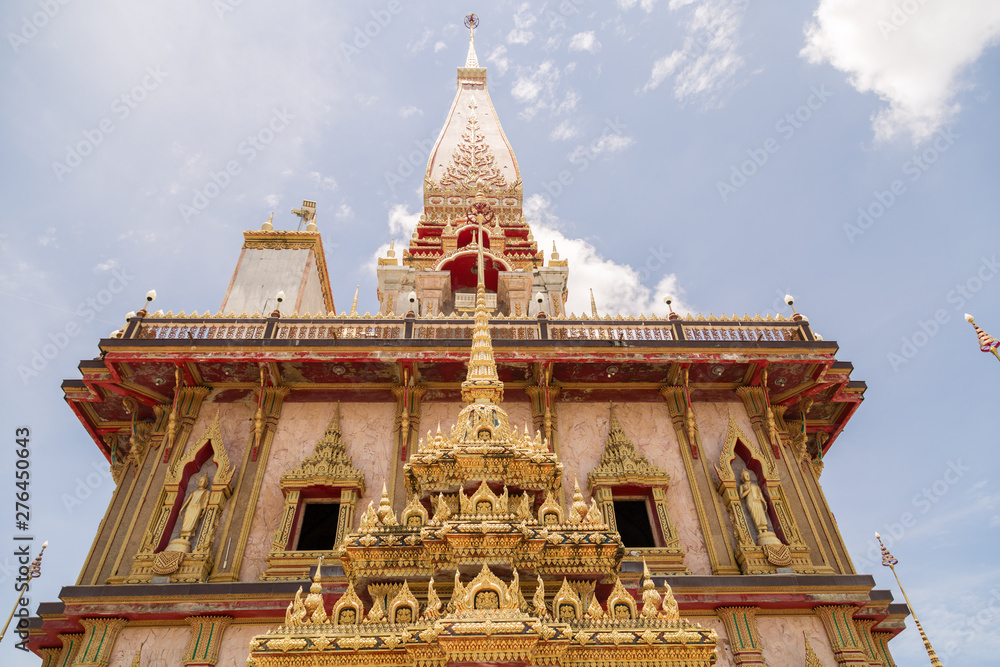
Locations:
(470, 475)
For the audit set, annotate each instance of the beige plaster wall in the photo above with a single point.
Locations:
(234, 423)
(236, 644)
(722, 650)
(366, 429)
(583, 432)
(783, 642)
(713, 426)
(161, 647)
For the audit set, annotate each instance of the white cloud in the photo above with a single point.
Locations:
(499, 58)
(406, 112)
(439, 46)
(618, 288)
(345, 212)
(564, 130)
(584, 41)
(272, 200)
(912, 61)
(708, 61)
(523, 20)
(606, 144)
(48, 238)
(538, 89)
(324, 182)
(647, 5)
(401, 226)
(420, 44)
(106, 265)
(402, 222)
(526, 89)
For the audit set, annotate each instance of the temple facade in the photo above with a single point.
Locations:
(469, 476)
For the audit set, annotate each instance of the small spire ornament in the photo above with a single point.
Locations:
(472, 22)
(987, 343)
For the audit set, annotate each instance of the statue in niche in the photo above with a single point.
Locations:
(347, 617)
(622, 612)
(191, 512)
(404, 615)
(567, 613)
(757, 507)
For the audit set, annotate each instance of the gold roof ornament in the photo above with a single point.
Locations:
(404, 600)
(351, 603)
(538, 607)
(566, 605)
(650, 598)
(386, 516)
(414, 514)
(433, 609)
(621, 604)
(578, 511)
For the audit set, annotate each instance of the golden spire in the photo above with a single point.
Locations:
(471, 21)
(593, 304)
(354, 304)
(482, 384)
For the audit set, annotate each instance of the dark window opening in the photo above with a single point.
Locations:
(632, 518)
(319, 527)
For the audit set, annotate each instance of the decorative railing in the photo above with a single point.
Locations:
(616, 331)
(619, 331)
(201, 330)
(339, 330)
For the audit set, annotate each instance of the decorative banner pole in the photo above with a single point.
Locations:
(34, 571)
(889, 561)
(987, 343)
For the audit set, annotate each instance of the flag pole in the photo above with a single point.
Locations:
(34, 571)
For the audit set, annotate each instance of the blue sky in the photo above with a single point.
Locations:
(726, 152)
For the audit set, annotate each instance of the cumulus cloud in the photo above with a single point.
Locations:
(499, 58)
(618, 288)
(439, 46)
(419, 44)
(523, 20)
(607, 144)
(107, 265)
(345, 212)
(324, 182)
(539, 89)
(406, 112)
(912, 60)
(708, 61)
(647, 5)
(564, 130)
(584, 41)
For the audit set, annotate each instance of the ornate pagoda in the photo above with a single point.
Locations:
(470, 476)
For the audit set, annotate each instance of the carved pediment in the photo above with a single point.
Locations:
(621, 464)
(328, 465)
